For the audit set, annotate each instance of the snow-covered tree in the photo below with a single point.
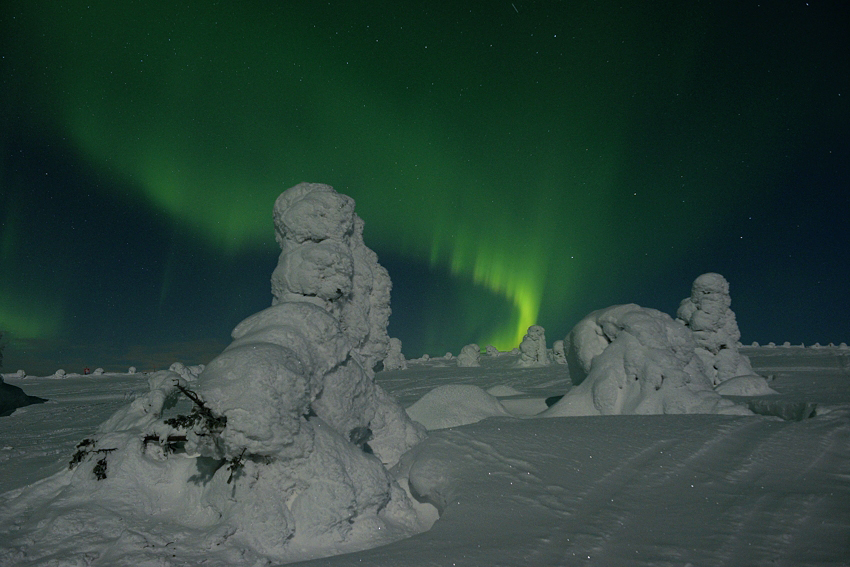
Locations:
(707, 312)
(469, 356)
(627, 359)
(286, 446)
(532, 349)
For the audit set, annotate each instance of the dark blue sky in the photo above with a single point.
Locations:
(515, 163)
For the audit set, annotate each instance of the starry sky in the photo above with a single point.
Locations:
(514, 162)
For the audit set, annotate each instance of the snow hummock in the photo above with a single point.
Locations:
(750, 385)
(503, 391)
(627, 359)
(454, 405)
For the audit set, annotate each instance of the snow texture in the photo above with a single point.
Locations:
(657, 490)
(470, 356)
(708, 314)
(627, 359)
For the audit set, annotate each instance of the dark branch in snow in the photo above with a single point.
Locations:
(200, 413)
(85, 448)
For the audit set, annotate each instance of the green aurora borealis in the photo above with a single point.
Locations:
(542, 155)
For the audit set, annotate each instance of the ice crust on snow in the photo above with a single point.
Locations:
(287, 451)
(627, 359)
(708, 314)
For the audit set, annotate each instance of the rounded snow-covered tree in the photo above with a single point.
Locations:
(532, 349)
(469, 356)
(708, 314)
(395, 359)
(286, 451)
(324, 260)
(627, 359)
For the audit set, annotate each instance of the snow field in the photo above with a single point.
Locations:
(605, 490)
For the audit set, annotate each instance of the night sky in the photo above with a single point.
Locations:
(515, 163)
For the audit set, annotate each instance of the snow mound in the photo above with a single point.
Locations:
(13, 375)
(627, 359)
(750, 385)
(454, 405)
(503, 391)
(558, 352)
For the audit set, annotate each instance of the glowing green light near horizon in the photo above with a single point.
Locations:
(29, 319)
(499, 264)
(496, 166)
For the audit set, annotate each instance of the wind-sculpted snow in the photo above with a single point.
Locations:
(629, 359)
(751, 385)
(628, 490)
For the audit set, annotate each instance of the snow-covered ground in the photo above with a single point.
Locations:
(606, 490)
